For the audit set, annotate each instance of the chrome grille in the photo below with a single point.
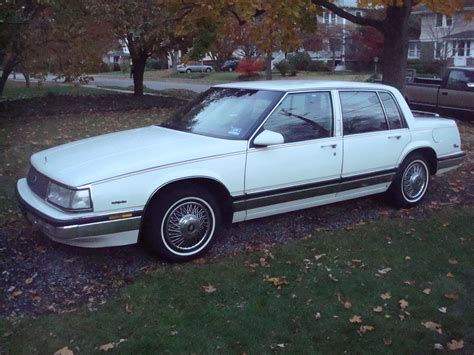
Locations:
(37, 182)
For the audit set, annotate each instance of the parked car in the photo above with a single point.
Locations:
(239, 152)
(453, 93)
(194, 67)
(230, 65)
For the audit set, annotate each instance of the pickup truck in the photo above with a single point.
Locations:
(454, 93)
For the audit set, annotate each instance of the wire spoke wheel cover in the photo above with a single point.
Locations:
(188, 226)
(415, 181)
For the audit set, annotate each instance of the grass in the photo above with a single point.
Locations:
(221, 77)
(178, 93)
(18, 90)
(169, 311)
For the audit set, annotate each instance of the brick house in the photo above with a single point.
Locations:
(445, 39)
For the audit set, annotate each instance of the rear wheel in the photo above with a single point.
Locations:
(182, 224)
(188, 71)
(208, 70)
(411, 182)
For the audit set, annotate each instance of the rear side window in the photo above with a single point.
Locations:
(458, 80)
(301, 117)
(362, 112)
(391, 109)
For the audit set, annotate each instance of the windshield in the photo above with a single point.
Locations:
(224, 113)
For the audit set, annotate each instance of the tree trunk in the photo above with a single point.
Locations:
(3, 79)
(138, 70)
(268, 66)
(27, 79)
(174, 61)
(395, 50)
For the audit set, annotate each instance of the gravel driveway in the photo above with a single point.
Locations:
(38, 276)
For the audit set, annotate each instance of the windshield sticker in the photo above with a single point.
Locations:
(234, 131)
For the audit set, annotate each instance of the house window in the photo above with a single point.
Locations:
(329, 18)
(440, 50)
(413, 50)
(443, 20)
(461, 48)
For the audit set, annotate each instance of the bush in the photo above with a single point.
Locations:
(425, 68)
(319, 66)
(285, 67)
(103, 68)
(157, 64)
(250, 67)
(299, 60)
(114, 67)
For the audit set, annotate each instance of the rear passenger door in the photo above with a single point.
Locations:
(457, 95)
(374, 133)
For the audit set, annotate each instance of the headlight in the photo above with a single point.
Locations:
(67, 198)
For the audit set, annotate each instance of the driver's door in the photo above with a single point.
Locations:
(304, 170)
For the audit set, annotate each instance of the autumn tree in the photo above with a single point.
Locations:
(394, 27)
(41, 37)
(146, 27)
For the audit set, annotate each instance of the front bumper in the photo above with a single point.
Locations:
(89, 230)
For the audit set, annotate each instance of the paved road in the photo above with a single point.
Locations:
(126, 82)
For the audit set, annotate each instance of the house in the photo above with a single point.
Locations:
(445, 39)
(118, 56)
(336, 35)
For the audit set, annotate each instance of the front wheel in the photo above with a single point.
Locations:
(182, 224)
(208, 70)
(188, 71)
(411, 182)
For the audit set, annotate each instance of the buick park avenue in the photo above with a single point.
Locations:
(238, 152)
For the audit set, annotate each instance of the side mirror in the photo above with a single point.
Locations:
(470, 85)
(267, 138)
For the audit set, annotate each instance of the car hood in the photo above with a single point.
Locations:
(98, 158)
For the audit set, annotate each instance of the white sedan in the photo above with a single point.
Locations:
(238, 152)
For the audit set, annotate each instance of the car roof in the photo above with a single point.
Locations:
(301, 85)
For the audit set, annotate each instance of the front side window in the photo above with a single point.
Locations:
(362, 112)
(301, 117)
(224, 113)
(391, 110)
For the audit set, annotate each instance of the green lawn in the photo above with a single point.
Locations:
(18, 90)
(294, 298)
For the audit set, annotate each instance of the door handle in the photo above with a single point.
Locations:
(329, 146)
(395, 137)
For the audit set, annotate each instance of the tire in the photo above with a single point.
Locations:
(230, 69)
(182, 224)
(411, 182)
(208, 70)
(188, 71)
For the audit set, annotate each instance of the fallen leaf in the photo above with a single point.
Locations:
(317, 257)
(426, 291)
(174, 332)
(106, 347)
(443, 309)
(199, 261)
(433, 326)
(409, 282)
(455, 345)
(128, 309)
(403, 304)
(333, 279)
(17, 293)
(355, 319)
(450, 274)
(438, 346)
(386, 296)
(64, 351)
(276, 281)
(407, 258)
(451, 296)
(29, 280)
(366, 328)
(453, 261)
(209, 288)
(317, 316)
(377, 309)
(346, 303)
(387, 341)
(384, 271)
